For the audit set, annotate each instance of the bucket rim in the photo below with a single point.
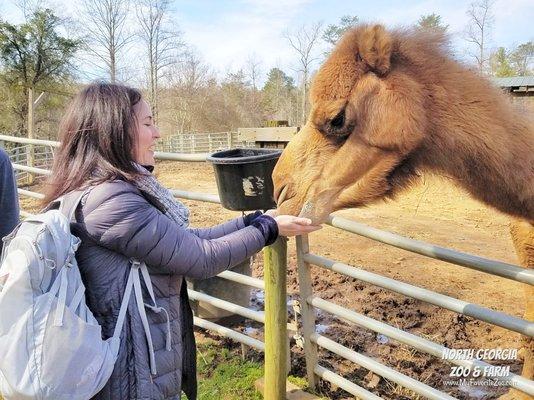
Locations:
(225, 156)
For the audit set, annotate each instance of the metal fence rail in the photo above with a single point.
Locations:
(417, 342)
(312, 340)
(41, 157)
(472, 310)
(492, 267)
(344, 384)
(380, 369)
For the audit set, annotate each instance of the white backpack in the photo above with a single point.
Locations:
(50, 343)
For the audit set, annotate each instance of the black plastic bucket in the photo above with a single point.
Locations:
(244, 178)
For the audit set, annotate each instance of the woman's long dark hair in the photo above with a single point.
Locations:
(98, 139)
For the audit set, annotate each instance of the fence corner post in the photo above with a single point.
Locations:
(306, 309)
(275, 270)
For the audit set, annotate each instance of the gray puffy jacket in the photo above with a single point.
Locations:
(117, 223)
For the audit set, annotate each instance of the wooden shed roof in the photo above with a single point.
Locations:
(514, 81)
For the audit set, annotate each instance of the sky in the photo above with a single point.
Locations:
(225, 33)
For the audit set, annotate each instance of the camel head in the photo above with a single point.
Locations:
(367, 119)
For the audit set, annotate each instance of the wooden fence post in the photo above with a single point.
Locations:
(306, 310)
(31, 130)
(275, 270)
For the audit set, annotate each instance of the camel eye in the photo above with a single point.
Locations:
(337, 126)
(338, 121)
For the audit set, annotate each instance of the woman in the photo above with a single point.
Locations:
(107, 148)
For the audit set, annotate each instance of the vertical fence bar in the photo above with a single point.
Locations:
(31, 134)
(275, 269)
(306, 309)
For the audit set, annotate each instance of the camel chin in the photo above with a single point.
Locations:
(320, 206)
(317, 216)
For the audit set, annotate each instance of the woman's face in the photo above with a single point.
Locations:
(147, 134)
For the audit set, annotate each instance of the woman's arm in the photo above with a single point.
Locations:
(119, 218)
(225, 228)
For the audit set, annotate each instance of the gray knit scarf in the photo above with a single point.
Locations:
(173, 208)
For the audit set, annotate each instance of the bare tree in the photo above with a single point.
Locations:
(304, 41)
(188, 80)
(106, 36)
(29, 7)
(522, 58)
(253, 69)
(252, 73)
(478, 31)
(162, 44)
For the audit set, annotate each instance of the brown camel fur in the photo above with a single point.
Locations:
(389, 104)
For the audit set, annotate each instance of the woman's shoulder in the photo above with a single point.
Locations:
(111, 194)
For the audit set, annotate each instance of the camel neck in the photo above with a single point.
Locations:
(494, 162)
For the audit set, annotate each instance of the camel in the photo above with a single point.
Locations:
(389, 104)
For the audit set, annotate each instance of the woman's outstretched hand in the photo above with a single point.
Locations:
(289, 225)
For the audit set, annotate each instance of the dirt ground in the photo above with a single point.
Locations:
(434, 212)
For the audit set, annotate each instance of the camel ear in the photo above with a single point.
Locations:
(375, 48)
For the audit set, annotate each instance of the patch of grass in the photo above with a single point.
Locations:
(300, 382)
(303, 384)
(222, 374)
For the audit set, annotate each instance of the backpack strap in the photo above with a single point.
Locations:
(138, 268)
(124, 304)
(70, 201)
(134, 282)
(154, 307)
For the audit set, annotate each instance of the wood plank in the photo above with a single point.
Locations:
(279, 134)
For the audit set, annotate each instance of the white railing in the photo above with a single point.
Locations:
(312, 340)
(43, 157)
(201, 142)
